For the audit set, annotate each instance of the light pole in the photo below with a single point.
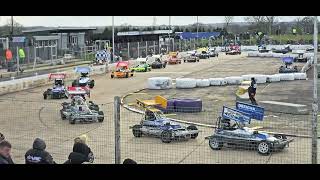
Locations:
(197, 30)
(113, 38)
(315, 95)
(169, 33)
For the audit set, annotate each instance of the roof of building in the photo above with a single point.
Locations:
(59, 29)
(200, 35)
(139, 33)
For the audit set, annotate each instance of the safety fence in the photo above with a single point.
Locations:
(153, 137)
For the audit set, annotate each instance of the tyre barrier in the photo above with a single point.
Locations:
(186, 83)
(217, 81)
(300, 76)
(260, 79)
(286, 77)
(159, 83)
(273, 78)
(203, 82)
(188, 105)
(234, 80)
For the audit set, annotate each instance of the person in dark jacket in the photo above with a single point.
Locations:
(38, 155)
(80, 154)
(252, 91)
(2, 138)
(5, 151)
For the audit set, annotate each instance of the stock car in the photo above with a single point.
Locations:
(288, 66)
(154, 123)
(231, 131)
(81, 111)
(58, 91)
(84, 79)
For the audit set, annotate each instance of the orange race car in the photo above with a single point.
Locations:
(173, 58)
(122, 70)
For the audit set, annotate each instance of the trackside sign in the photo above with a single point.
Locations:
(256, 112)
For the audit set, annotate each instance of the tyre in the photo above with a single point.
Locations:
(91, 85)
(263, 148)
(136, 131)
(192, 127)
(112, 76)
(45, 95)
(74, 83)
(63, 117)
(215, 144)
(100, 119)
(72, 121)
(280, 136)
(127, 75)
(166, 136)
(188, 105)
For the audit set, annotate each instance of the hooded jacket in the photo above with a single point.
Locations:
(38, 155)
(81, 153)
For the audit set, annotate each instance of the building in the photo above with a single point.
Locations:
(66, 38)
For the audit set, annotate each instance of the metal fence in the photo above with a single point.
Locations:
(25, 118)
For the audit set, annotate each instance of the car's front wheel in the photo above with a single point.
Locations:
(264, 148)
(215, 144)
(192, 127)
(136, 131)
(166, 136)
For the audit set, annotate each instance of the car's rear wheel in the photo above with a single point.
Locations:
(136, 131)
(127, 75)
(264, 148)
(100, 119)
(192, 127)
(215, 144)
(166, 136)
(112, 76)
(45, 95)
(280, 136)
(72, 121)
(63, 117)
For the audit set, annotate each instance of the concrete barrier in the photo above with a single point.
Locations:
(283, 107)
(37, 81)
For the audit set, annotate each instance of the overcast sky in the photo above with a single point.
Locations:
(119, 20)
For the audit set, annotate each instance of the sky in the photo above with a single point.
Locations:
(119, 20)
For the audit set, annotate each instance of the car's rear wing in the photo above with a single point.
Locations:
(77, 91)
(57, 76)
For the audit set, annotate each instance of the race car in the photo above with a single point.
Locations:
(122, 70)
(300, 57)
(191, 58)
(84, 79)
(58, 91)
(154, 123)
(213, 52)
(173, 58)
(231, 131)
(288, 66)
(285, 50)
(158, 64)
(263, 49)
(202, 53)
(141, 67)
(233, 50)
(80, 111)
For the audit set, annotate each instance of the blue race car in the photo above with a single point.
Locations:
(58, 91)
(288, 66)
(84, 79)
(231, 131)
(156, 124)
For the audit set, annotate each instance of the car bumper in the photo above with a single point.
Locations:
(184, 134)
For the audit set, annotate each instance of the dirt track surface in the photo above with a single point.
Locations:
(25, 116)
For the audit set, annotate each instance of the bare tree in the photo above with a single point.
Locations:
(228, 20)
(270, 20)
(6, 29)
(258, 23)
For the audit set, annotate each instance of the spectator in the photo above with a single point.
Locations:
(5, 151)
(2, 138)
(79, 155)
(38, 155)
(81, 152)
(129, 161)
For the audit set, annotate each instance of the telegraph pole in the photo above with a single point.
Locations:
(113, 59)
(197, 30)
(169, 33)
(314, 148)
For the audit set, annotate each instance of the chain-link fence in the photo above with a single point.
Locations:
(180, 136)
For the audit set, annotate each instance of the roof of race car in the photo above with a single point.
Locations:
(122, 64)
(85, 69)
